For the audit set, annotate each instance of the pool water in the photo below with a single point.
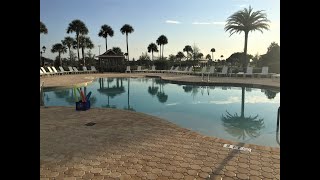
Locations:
(240, 114)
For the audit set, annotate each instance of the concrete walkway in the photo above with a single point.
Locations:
(131, 145)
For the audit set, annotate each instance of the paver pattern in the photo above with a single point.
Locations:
(132, 145)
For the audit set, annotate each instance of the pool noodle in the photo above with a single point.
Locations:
(88, 96)
(82, 96)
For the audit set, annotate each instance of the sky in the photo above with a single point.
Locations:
(183, 22)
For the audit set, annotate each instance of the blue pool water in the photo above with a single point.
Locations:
(210, 110)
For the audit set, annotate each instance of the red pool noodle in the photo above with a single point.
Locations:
(82, 96)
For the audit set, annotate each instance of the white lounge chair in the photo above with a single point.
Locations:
(249, 72)
(211, 71)
(55, 71)
(275, 76)
(264, 72)
(138, 69)
(153, 69)
(63, 71)
(44, 71)
(128, 69)
(76, 70)
(71, 70)
(85, 70)
(224, 71)
(190, 71)
(51, 71)
(93, 69)
(176, 69)
(163, 71)
(184, 71)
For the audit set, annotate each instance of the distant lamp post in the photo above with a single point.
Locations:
(43, 51)
(99, 49)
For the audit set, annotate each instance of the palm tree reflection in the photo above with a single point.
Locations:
(161, 95)
(128, 107)
(270, 94)
(113, 91)
(241, 126)
(152, 90)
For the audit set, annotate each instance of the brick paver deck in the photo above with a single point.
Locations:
(131, 145)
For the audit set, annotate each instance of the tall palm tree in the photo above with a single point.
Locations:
(43, 28)
(79, 28)
(104, 32)
(59, 48)
(159, 44)
(152, 48)
(247, 20)
(85, 42)
(126, 29)
(68, 41)
(212, 51)
(187, 49)
(162, 40)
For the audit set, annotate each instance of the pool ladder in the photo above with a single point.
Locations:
(278, 123)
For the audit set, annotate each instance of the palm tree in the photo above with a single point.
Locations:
(247, 20)
(212, 51)
(162, 40)
(208, 56)
(79, 28)
(187, 49)
(104, 32)
(152, 48)
(159, 43)
(68, 41)
(59, 48)
(43, 28)
(85, 42)
(126, 29)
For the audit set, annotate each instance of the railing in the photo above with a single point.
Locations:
(278, 119)
(278, 123)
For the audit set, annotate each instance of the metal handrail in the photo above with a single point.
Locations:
(278, 119)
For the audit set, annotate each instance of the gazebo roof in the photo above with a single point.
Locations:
(110, 53)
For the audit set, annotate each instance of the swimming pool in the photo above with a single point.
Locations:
(240, 114)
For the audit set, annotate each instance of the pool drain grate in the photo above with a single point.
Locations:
(90, 124)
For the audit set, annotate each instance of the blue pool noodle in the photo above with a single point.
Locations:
(88, 96)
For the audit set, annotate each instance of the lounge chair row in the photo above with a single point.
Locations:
(208, 71)
(72, 70)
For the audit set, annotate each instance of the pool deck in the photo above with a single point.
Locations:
(132, 145)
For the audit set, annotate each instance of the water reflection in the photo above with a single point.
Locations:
(152, 90)
(270, 94)
(241, 126)
(128, 105)
(158, 90)
(111, 91)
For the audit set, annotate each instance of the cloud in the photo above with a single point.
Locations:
(209, 23)
(172, 22)
(201, 23)
(219, 23)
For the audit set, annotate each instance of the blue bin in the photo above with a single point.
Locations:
(82, 106)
